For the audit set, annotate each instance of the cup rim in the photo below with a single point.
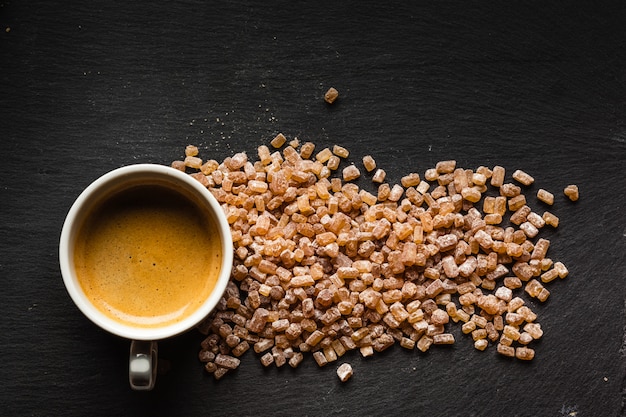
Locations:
(69, 230)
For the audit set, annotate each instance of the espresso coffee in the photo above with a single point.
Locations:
(148, 256)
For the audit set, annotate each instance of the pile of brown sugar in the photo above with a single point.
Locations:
(323, 267)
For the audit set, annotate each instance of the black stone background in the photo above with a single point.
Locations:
(86, 87)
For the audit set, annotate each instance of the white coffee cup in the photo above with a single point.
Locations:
(143, 353)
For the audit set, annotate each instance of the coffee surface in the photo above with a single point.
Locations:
(148, 257)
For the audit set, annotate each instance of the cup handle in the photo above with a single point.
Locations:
(142, 365)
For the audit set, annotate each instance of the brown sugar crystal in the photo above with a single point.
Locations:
(191, 150)
(331, 95)
(323, 267)
(522, 177)
(497, 177)
(351, 172)
(545, 196)
(550, 219)
(344, 372)
(340, 151)
(379, 176)
(571, 191)
(278, 141)
(524, 353)
(369, 163)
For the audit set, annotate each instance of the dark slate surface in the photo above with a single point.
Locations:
(91, 86)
